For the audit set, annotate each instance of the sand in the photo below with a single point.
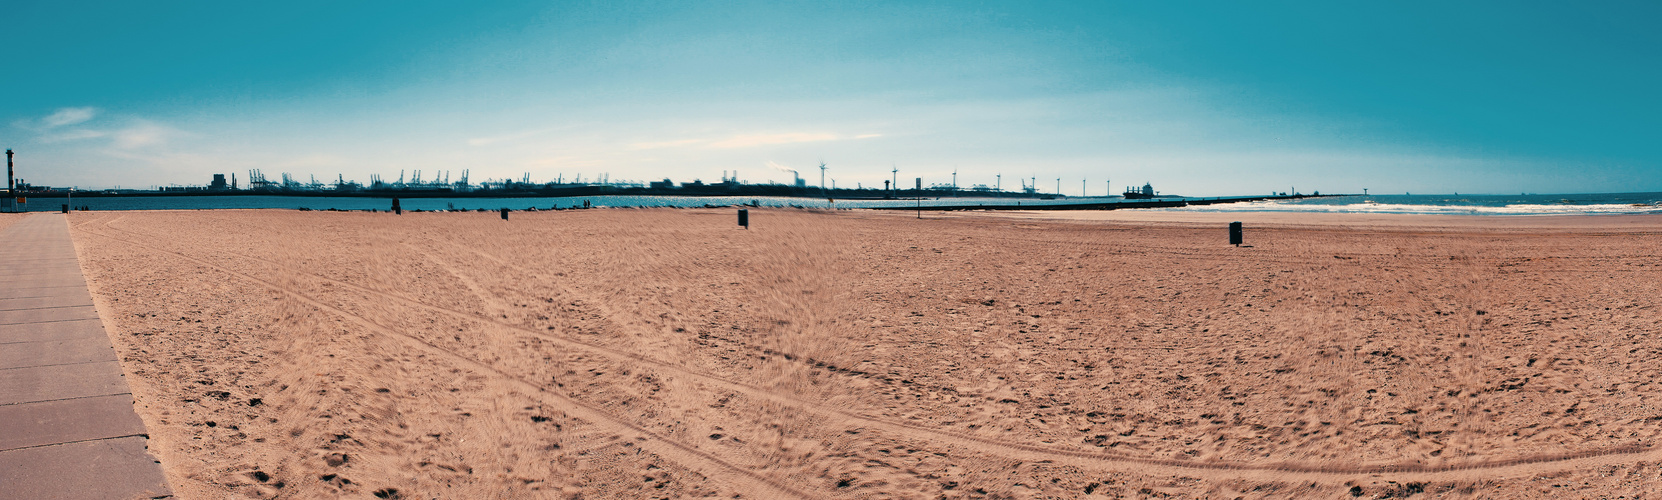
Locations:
(663, 353)
(7, 219)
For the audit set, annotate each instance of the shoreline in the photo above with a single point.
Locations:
(1568, 222)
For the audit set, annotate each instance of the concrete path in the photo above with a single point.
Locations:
(67, 426)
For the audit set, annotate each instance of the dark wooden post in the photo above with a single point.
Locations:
(1235, 233)
(744, 218)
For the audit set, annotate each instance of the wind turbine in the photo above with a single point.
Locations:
(822, 177)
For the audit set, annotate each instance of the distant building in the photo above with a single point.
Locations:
(666, 184)
(25, 187)
(218, 183)
(801, 183)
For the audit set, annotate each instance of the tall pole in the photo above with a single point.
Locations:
(9, 182)
(895, 173)
(1082, 187)
(998, 182)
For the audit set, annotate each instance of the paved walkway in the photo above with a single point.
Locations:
(67, 426)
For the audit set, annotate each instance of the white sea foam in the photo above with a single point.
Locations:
(1388, 208)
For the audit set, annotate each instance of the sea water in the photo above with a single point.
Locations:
(1525, 204)
(1457, 204)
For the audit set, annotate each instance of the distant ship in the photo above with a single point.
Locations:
(1146, 193)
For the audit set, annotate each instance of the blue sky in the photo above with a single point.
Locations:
(1198, 98)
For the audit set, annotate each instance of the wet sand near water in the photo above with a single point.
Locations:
(666, 353)
(1400, 222)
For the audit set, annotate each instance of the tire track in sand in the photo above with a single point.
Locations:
(490, 300)
(1527, 465)
(1278, 470)
(711, 466)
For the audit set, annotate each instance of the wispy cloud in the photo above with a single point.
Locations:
(61, 118)
(486, 141)
(313, 161)
(61, 126)
(72, 135)
(665, 144)
(144, 133)
(565, 161)
(753, 140)
(68, 116)
(749, 140)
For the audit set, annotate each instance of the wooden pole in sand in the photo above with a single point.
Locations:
(744, 218)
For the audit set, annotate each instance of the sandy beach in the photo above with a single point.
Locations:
(667, 353)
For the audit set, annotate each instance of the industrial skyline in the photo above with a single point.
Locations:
(256, 180)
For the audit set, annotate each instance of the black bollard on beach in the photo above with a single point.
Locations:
(744, 218)
(504, 214)
(396, 210)
(66, 208)
(1235, 233)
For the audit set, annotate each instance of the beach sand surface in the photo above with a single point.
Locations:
(7, 219)
(667, 353)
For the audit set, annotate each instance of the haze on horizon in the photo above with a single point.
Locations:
(1198, 98)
